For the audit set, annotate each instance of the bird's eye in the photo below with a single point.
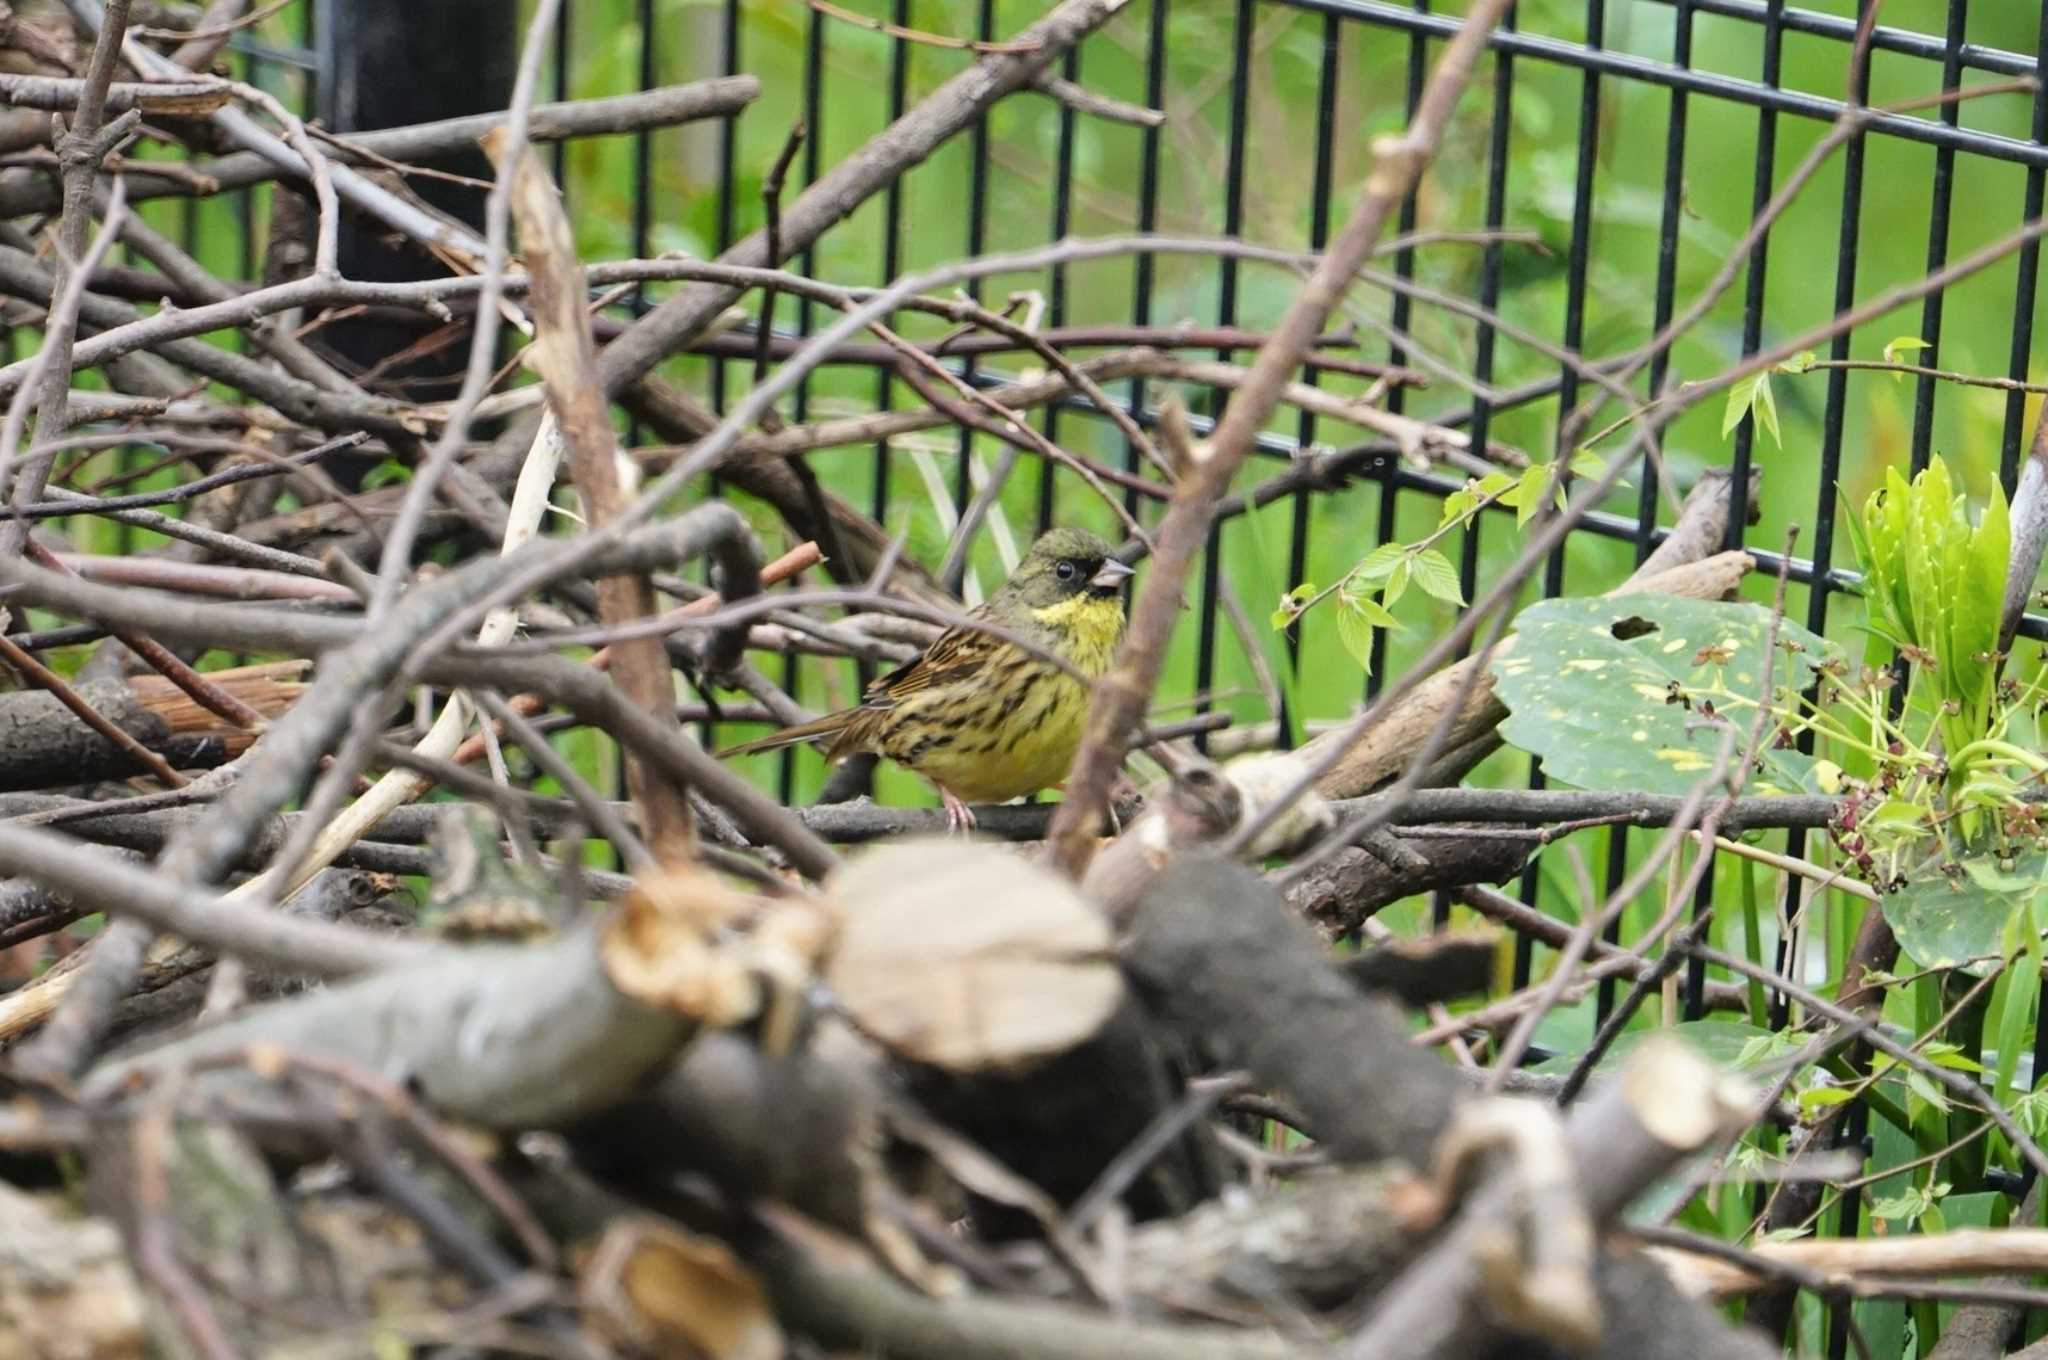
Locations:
(1066, 571)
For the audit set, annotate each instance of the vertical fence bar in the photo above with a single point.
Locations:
(813, 163)
(1305, 427)
(2025, 289)
(892, 246)
(1578, 257)
(1833, 416)
(1941, 195)
(1056, 295)
(1495, 214)
(977, 242)
(1745, 433)
(1400, 315)
(1148, 210)
(1210, 606)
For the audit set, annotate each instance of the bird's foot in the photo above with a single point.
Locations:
(959, 816)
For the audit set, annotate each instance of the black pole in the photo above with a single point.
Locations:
(388, 63)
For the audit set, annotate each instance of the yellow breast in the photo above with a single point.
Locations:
(1028, 719)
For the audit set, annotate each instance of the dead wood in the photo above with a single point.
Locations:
(501, 1036)
(43, 744)
(1341, 894)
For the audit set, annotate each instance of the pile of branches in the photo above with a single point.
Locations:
(1105, 1093)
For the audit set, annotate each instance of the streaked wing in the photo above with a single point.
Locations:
(957, 655)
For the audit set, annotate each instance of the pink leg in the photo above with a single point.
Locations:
(959, 816)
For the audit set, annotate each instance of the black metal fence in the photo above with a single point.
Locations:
(1643, 123)
(1763, 75)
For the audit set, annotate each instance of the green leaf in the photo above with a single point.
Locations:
(1397, 584)
(1896, 350)
(1355, 632)
(1723, 1042)
(1372, 611)
(1529, 495)
(1437, 577)
(1944, 1054)
(1923, 1086)
(1291, 604)
(1945, 920)
(390, 472)
(1741, 398)
(1457, 505)
(1588, 686)
(1767, 408)
(1801, 362)
(1587, 463)
(1814, 1098)
(1379, 564)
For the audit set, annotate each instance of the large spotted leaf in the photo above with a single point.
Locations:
(1614, 693)
(1960, 911)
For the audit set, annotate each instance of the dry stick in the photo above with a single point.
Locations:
(1001, 422)
(87, 874)
(41, 676)
(1006, 336)
(64, 94)
(291, 353)
(275, 770)
(604, 818)
(959, 103)
(67, 284)
(1120, 697)
(798, 559)
(664, 106)
(80, 150)
(79, 503)
(24, 276)
(919, 35)
(567, 360)
(164, 661)
(771, 203)
(131, 331)
(408, 219)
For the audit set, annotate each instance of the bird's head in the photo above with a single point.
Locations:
(1066, 565)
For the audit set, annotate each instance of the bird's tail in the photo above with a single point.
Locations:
(831, 725)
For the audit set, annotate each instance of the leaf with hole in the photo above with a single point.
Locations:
(1608, 690)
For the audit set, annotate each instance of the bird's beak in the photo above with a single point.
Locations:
(1110, 579)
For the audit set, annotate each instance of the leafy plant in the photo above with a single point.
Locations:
(1933, 585)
